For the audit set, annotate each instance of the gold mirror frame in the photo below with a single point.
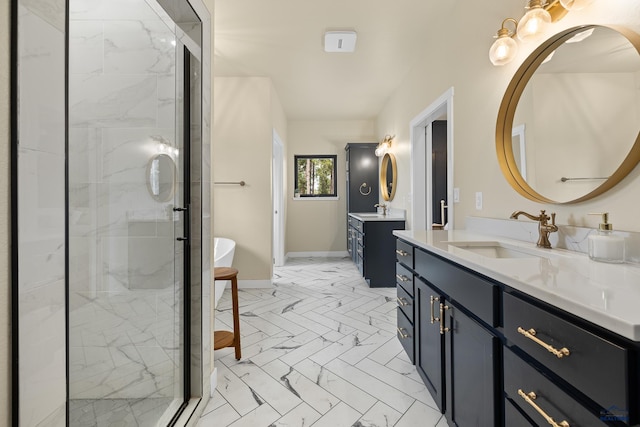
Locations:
(507, 111)
(386, 160)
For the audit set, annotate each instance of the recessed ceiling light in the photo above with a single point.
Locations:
(340, 41)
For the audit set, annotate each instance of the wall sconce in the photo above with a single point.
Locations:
(384, 146)
(505, 48)
(540, 13)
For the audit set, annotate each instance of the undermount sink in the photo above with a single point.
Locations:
(499, 250)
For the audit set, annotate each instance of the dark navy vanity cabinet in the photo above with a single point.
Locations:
(456, 349)
(371, 245)
(491, 355)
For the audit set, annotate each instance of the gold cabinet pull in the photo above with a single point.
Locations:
(442, 327)
(529, 398)
(531, 334)
(402, 334)
(401, 301)
(401, 252)
(433, 319)
(402, 277)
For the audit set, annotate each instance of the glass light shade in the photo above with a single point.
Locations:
(503, 50)
(533, 23)
(382, 148)
(575, 4)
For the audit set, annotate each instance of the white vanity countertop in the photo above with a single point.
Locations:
(607, 295)
(373, 216)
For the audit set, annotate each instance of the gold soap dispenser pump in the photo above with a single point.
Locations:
(604, 244)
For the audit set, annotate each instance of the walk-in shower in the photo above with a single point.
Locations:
(129, 185)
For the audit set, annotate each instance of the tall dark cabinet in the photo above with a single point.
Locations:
(362, 177)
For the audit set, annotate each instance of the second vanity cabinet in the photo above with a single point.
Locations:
(491, 355)
(371, 245)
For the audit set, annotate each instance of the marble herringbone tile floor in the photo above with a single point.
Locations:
(319, 349)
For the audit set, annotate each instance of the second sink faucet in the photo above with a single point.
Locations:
(543, 227)
(383, 206)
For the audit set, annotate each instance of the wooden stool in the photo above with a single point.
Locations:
(222, 339)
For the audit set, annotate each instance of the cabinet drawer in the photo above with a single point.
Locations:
(404, 253)
(359, 261)
(358, 225)
(405, 303)
(518, 375)
(405, 334)
(472, 292)
(513, 417)
(404, 278)
(595, 366)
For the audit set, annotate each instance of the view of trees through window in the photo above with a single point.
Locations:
(315, 176)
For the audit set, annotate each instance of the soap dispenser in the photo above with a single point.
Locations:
(605, 245)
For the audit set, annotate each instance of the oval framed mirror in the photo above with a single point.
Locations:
(161, 175)
(388, 177)
(567, 128)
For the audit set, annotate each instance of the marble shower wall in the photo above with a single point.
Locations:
(41, 212)
(124, 327)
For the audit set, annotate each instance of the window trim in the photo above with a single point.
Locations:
(334, 195)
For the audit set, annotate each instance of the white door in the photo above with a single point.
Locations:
(278, 200)
(422, 166)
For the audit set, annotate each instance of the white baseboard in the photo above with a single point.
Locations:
(328, 254)
(254, 284)
(214, 380)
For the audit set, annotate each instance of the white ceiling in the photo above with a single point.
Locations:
(283, 39)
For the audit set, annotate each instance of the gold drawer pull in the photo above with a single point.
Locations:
(402, 277)
(442, 309)
(531, 334)
(401, 252)
(401, 301)
(402, 334)
(433, 319)
(529, 398)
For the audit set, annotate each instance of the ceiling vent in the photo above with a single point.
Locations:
(340, 41)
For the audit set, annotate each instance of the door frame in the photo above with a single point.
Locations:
(277, 192)
(421, 144)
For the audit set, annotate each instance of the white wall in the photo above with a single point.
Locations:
(5, 240)
(320, 225)
(246, 110)
(457, 56)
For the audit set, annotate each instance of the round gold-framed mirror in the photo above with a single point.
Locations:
(559, 134)
(388, 177)
(161, 176)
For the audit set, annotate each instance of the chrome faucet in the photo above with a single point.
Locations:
(383, 206)
(543, 227)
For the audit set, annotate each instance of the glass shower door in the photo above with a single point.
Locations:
(126, 266)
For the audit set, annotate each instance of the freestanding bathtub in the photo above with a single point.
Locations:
(223, 250)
